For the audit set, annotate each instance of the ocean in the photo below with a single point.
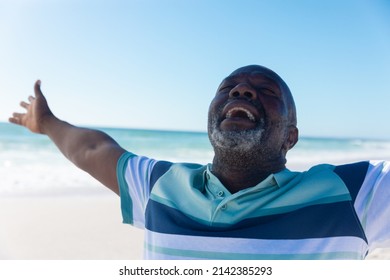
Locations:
(31, 165)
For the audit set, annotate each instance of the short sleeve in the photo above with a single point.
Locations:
(373, 204)
(133, 174)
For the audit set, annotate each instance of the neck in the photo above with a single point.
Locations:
(238, 172)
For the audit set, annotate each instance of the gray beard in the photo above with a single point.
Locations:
(240, 142)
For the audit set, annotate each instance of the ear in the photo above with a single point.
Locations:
(292, 138)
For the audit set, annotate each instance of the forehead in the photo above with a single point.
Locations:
(261, 74)
(255, 73)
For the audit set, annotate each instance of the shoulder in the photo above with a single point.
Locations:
(360, 171)
(176, 171)
(153, 169)
(130, 162)
(360, 174)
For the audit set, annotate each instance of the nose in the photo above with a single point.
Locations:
(243, 90)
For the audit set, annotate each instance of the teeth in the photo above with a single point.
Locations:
(250, 116)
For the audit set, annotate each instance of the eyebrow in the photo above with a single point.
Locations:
(255, 76)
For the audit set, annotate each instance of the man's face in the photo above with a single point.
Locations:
(250, 111)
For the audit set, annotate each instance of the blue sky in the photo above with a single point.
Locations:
(157, 64)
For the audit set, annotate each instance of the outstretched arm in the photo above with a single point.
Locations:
(91, 150)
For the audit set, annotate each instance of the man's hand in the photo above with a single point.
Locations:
(37, 111)
(91, 150)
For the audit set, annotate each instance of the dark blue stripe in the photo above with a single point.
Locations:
(353, 176)
(317, 221)
(159, 169)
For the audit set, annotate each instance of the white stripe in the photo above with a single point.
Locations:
(373, 204)
(137, 176)
(258, 246)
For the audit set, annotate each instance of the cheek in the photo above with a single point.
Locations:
(216, 104)
(212, 113)
(275, 110)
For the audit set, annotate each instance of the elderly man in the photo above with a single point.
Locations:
(246, 204)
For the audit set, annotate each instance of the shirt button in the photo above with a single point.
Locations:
(223, 207)
(220, 193)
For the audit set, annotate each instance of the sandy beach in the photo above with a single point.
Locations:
(66, 228)
(50, 210)
(72, 227)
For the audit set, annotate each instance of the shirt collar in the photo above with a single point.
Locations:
(278, 179)
(283, 177)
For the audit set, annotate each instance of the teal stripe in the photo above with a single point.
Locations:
(174, 206)
(286, 209)
(243, 256)
(259, 212)
(126, 202)
(320, 185)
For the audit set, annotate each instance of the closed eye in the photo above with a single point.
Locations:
(225, 88)
(269, 92)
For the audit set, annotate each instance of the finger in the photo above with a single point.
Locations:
(31, 98)
(24, 105)
(17, 115)
(13, 120)
(16, 118)
(37, 88)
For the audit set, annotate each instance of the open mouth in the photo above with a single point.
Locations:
(240, 112)
(240, 115)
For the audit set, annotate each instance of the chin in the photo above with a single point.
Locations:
(236, 140)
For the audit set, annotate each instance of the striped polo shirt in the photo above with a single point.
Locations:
(327, 212)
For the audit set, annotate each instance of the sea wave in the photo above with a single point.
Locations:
(31, 164)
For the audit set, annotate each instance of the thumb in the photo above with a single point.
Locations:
(37, 88)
